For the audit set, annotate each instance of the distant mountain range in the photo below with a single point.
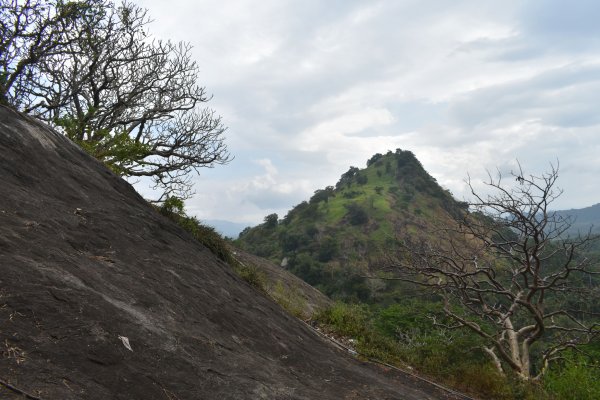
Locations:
(226, 228)
(584, 219)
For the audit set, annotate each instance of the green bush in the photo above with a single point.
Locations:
(362, 179)
(348, 319)
(403, 334)
(290, 299)
(356, 214)
(328, 248)
(575, 379)
(173, 209)
(252, 275)
(271, 221)
(117, 150)
(485, 379)
(354, 321)
(305, 267)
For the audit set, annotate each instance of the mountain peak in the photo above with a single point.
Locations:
(349, 225)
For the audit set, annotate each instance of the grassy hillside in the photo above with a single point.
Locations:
(342, 231)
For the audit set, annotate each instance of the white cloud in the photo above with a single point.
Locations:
(252, 196)
(327, 134)
(309, 88)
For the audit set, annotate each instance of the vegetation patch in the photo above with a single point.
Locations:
(252, 275)
(290, 299)
(402, 335)
(173, 209)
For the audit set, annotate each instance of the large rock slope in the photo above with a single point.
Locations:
(84, 261)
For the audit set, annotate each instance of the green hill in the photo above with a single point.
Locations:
(345, 230)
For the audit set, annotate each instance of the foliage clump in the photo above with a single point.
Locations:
(402, 335)
(173, 208)
(575, 378)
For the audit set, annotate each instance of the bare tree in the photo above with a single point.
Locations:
(31, 30)
(508, 273)
(130, 100)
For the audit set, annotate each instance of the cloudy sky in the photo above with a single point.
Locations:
(309, 88)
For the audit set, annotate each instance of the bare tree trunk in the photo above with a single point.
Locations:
(505, 272)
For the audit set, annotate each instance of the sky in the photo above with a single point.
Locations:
(308, 88)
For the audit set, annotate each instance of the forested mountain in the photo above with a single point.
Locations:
(342, 231)
(584, 219)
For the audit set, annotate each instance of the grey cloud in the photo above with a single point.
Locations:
(561, 26)
(558, 18)
(510, 49)
(457, 77)
(564, 97)
(272, 200)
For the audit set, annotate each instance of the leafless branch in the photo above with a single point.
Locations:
(506, 271)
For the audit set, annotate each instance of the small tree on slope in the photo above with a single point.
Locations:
(507, 273)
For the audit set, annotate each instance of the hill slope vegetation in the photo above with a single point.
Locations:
(347, 229)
